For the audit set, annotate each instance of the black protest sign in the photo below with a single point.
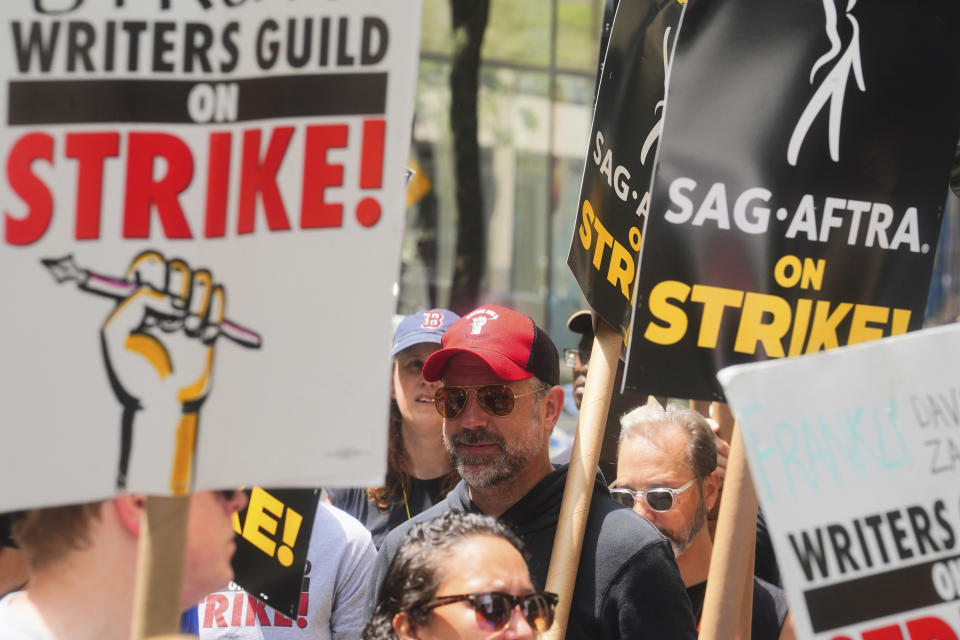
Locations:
(620, 157)
(800, 183)
(273, 536)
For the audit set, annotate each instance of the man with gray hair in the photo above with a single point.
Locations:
(666, 472)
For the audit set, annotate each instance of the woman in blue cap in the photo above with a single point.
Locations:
(419, 472)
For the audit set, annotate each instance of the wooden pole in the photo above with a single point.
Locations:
(720, 413)
(724, 418)
(582, 473)
(701, 406)
(156, 599)
(728, 602)
(746, 597)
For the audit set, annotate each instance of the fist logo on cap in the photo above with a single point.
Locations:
(477, 322)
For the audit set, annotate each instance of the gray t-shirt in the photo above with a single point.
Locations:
(14, 627)
(341, 556)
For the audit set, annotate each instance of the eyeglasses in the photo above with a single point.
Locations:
(660, 499)
(495, 608)
(570, 356)
(496, 399)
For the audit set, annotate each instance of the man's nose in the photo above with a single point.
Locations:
(472, 413)
(519, 628)
(640, 506)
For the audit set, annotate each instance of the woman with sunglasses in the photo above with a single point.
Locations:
(419, 472)
(459, 576)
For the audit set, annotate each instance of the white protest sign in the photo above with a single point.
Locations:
(202, 212)
(855, 454)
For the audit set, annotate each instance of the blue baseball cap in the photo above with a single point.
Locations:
(420, 327)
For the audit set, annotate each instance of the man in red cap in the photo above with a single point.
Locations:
(499, 403)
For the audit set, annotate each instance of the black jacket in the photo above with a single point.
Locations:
(628, 585)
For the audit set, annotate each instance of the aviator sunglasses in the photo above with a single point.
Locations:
(496, 399)
(495, 608)
(660, 499)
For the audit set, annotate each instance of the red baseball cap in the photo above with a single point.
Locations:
(509, 342)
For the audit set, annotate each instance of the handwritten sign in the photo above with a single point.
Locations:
(855, 454)
(200, 219)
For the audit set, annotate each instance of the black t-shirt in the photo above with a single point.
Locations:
(765, 563)
(769, 608)
(421, 495)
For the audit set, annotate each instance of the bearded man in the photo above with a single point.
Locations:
(499, 403)
(666, 472)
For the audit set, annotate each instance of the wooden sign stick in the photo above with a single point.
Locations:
(701, 406)
(724, 418)
(156, 599)
(582, 474)
(746, 598)
(728, 602)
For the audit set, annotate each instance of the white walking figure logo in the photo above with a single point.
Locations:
(655, 131)
(834, 85)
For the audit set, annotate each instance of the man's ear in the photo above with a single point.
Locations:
(129, 510)
(552, 406)
(711, 490)
(403, 626)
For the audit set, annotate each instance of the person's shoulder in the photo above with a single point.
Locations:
(330, 517)
(613, 525)
(13, 626)
(393, 539)
(767, 589)
(771, 599)
(431, 513)
(348, 498)
(623, 545)
(344, 520)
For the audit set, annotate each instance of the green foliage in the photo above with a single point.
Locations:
(578, 34)
(436, 28)
(519, 32)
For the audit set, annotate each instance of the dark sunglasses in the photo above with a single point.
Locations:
(495, 608)
(660, 499)
(496, 399)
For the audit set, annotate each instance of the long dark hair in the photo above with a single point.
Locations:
(398, 478)
(415, 574)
